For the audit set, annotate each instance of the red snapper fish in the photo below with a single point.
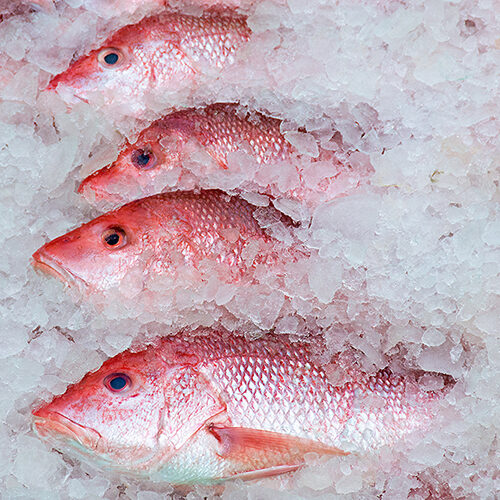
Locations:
(182, 235)
(159, 54)
(157, 160)
(203, 409)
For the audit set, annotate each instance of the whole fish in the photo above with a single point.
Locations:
(202, 409)
(178, 235)
(159, 53)
(156, 161)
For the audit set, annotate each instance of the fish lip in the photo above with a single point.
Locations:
(89, 186)
(57, 425)
(65, 91)
(99, 197)
(49, 265)
(53, 84)
(87, 189)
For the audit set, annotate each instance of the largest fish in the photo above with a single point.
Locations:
(207, 408)
(159, 55)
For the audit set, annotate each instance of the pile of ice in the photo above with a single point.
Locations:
(405, 270)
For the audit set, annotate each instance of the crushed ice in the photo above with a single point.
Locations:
(406, 270)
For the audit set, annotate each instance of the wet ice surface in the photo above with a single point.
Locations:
(406, 270)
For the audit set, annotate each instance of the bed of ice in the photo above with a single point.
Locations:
(405, 270)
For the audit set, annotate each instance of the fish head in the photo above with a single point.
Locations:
(143, 168)
(97, 255)
(116, 70)
(147, 413)
(112, 415)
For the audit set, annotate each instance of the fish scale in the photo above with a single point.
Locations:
(221, 131)
(295, 391)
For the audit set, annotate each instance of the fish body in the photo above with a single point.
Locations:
(159, 159)
(179, 235)
(161, 53)
(202, 409)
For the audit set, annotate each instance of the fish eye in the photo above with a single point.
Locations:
(110, 58)
(117, 382)
(114, 238)
(143, 159)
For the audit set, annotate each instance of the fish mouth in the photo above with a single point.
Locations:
(89, 188)
(65, 434)
(67, 92)
(53, 425)
(48, 265)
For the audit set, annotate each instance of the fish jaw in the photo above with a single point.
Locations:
(46, 264)
(54, 426)
(95, 190)
(113, 185)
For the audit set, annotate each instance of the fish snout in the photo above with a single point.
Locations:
(42, 412)
(105, 187)
(87, 188)
(48, 423)
(53, 83)
(43, 262)
(73, 83)
(90, 188)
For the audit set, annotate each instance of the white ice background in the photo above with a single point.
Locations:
(405, 270)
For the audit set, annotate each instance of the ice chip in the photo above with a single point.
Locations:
(304, 143)
(325, 278)
(349, 484)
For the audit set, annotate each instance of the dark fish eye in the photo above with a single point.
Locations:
(110, 58)
(114, 238)
(143, 159)
(117, 382)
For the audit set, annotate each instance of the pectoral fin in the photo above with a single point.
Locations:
(240, 442)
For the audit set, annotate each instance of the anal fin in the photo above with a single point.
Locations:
(269, 472)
